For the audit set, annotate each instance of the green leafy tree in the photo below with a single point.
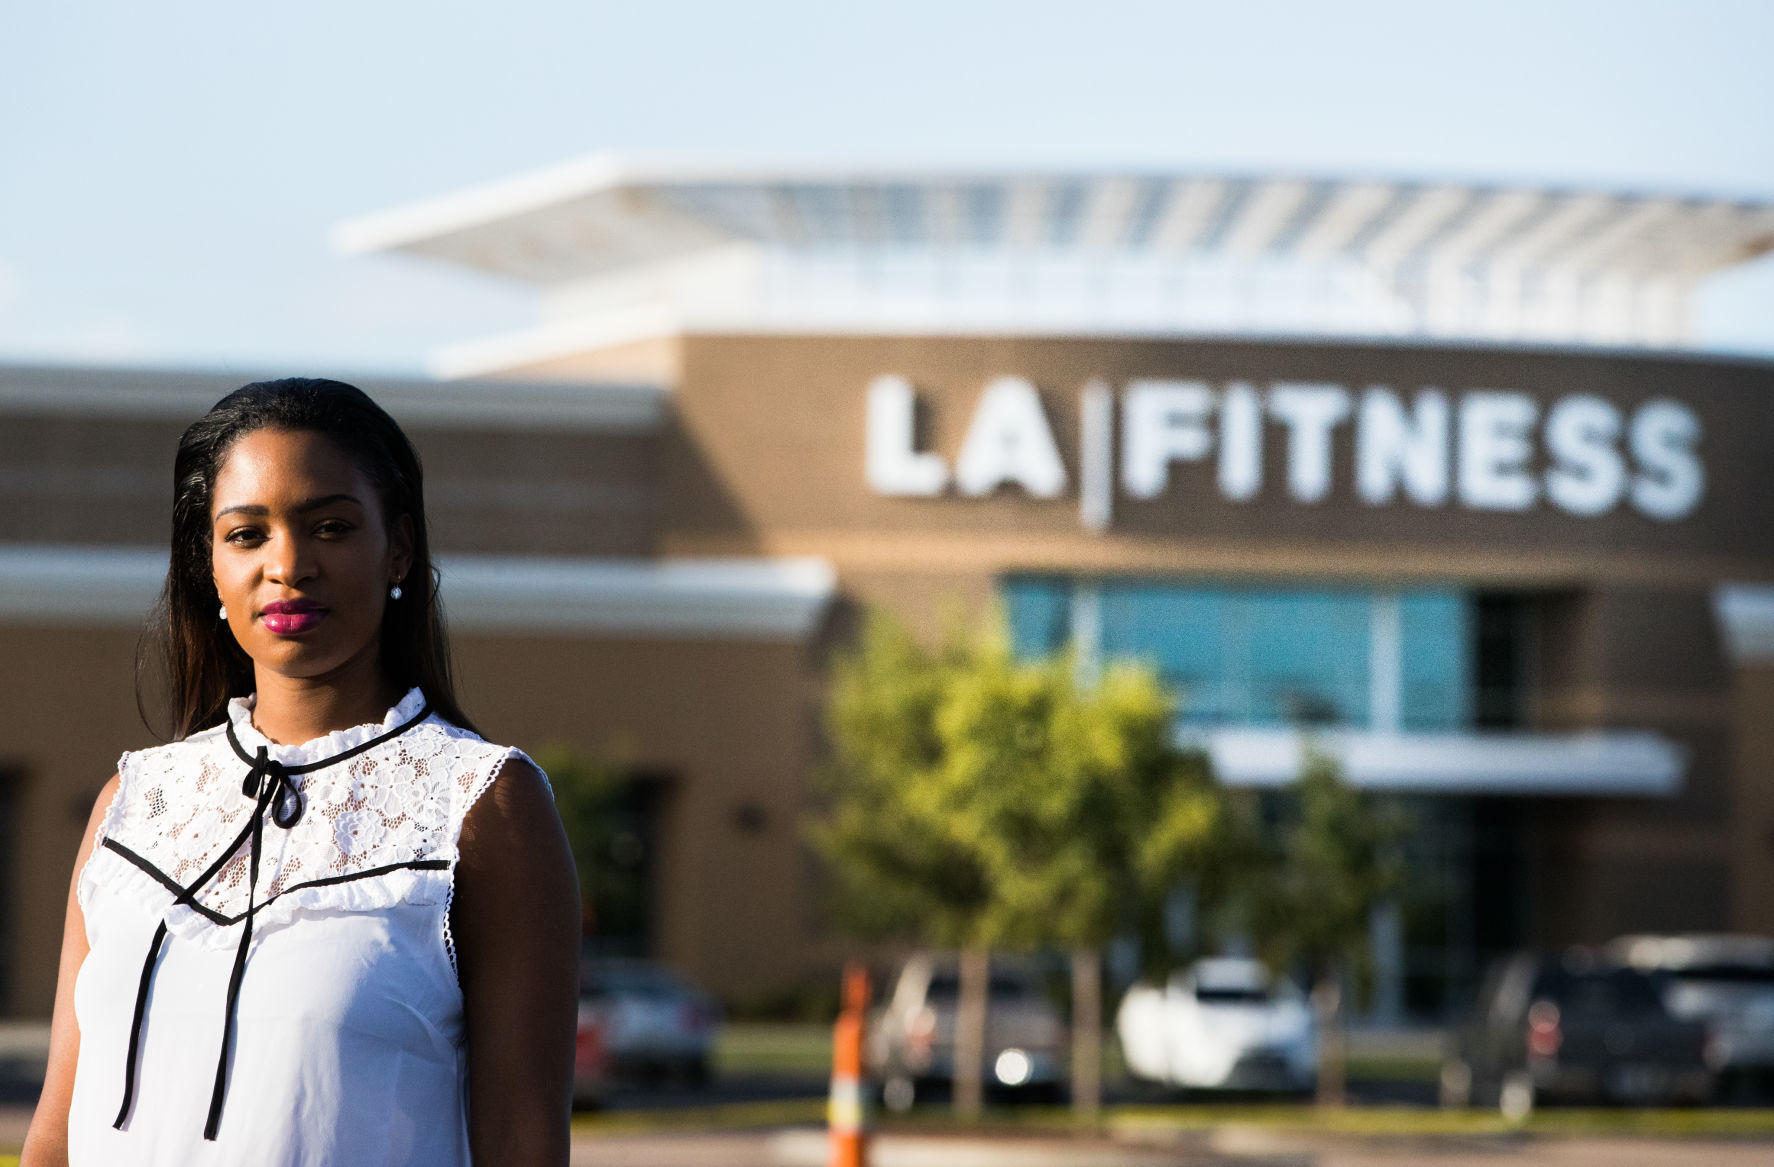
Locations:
(1335, 861)
(980, 801)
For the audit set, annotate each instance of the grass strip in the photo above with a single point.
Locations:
(725, 1116)
(1361, 1122)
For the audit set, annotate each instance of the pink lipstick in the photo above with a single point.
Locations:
(292, 617)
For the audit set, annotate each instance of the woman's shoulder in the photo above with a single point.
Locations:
(476, 763)
(168, 756)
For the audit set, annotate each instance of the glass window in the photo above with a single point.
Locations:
(1437, 668)
(1268, 656)
(1040, 613)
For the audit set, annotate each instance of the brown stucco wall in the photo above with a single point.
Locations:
(725, 723)
(67, 711)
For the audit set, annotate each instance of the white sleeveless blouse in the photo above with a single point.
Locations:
(342, 1031)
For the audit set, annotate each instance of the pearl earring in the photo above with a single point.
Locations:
(394, 592)
(222, 612)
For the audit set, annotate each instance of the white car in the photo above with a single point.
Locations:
(1220, 1024)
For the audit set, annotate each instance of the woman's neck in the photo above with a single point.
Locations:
(290, 710)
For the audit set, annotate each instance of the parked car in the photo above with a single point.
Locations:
(1220, 1024)
(1573, 1027)
(591, 1067)
(652, 1023)
(1727, 982)
(911, 1048)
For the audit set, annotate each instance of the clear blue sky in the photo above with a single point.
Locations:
(169, 172)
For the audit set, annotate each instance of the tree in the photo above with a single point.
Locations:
(983, 801)
(1335, 861)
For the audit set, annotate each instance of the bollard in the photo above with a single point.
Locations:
(847, 1113)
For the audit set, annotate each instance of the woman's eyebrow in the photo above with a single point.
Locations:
(302, 507)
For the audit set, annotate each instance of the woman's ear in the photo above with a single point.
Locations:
(400, 548)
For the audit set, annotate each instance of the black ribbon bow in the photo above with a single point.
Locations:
(268, 774)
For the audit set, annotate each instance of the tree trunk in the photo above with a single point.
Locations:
(970, 1033)
(1333, 1045)
(1087, 1035)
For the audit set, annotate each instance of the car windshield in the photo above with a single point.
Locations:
(630, 980)
(946, 987)
(1606, 993)
(1231, 995)
(1726, 974)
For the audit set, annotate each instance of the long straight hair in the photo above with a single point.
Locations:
(200, 664)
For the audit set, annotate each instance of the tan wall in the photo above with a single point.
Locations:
(730, 723)
(67, 711)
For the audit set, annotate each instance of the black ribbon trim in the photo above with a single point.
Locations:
(268, 784)
(226, 921)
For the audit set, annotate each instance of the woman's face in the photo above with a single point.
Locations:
(303, 558)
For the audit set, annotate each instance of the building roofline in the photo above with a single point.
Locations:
(767, 599)
(87, 391)
(395, 227)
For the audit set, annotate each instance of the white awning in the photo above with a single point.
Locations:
(1602, 762)
(732, 599)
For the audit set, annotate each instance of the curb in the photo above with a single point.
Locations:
(806, 1148)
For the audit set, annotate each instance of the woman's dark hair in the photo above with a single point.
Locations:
(202, 665)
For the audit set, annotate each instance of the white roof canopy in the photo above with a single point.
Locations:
(1597, 762)
(848, 248)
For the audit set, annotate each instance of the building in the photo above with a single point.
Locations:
(1423, 472)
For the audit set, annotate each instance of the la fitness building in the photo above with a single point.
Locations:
(1420, 473)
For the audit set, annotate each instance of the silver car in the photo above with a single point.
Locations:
(653, 1024)
(912, 1042)
(1726, 982)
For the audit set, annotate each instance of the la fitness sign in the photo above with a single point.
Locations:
(1481, 449)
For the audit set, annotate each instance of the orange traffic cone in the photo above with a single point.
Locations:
(847, 1114)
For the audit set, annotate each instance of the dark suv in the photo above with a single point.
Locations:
(1572, 1027)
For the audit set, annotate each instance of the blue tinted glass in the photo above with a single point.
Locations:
(1182, 632)
(1437, 669)
(1308, 657)
(1266, 656)
(1040, 613)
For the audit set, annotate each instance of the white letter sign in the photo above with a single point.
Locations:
(1495, 449)
(1010, 441)
(1392, 447)
(1587, 476)
(893, 464)
(1162, 422)
(1309, 412)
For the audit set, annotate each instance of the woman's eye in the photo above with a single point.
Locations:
(333, 527)
(243, 535)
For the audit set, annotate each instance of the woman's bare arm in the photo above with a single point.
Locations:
(516, 926)
(46, 1144)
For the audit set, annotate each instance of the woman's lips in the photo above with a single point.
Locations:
(291, 619)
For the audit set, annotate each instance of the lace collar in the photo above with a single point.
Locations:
(240, 713)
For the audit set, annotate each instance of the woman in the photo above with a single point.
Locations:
(327, 924)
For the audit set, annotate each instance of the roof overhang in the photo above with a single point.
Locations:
(1599, 763)
(594, 215)
(720, 599)
(493, 404)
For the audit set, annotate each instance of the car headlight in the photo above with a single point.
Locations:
(1013, 1067)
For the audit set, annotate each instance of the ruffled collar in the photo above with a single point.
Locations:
(240, 713)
